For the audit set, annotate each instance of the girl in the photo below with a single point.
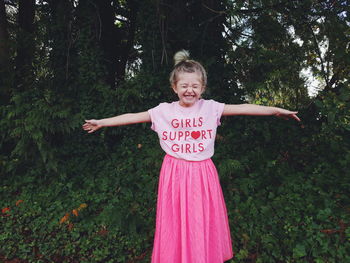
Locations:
(191, 221)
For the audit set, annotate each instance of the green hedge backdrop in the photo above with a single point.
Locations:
(68, 196)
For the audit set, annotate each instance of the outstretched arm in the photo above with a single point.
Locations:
(124, 119)
(252, 109)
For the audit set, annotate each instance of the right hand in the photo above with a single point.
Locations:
(91, 125)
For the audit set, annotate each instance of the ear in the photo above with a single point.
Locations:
(174, 88)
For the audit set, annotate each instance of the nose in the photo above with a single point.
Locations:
(189, 89)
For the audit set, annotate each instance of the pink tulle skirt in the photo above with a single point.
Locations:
(191, 223)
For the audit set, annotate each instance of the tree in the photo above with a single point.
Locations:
(196, 26)
(4, 37)
(5, 56)
(25, 44)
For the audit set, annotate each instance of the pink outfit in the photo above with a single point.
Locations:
(191, 223)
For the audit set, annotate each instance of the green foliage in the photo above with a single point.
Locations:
(116, 225)
(287, 199)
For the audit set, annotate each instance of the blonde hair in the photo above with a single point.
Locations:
(184, 64)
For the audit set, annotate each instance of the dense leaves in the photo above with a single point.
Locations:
(67, 196)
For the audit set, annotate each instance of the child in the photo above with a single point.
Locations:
(191, 221)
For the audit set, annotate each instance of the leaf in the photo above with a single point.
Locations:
(299, 251)
(318, 103)
(331, 117)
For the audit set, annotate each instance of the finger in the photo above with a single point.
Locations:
(88, 122)
(296, 117)
(282, 117)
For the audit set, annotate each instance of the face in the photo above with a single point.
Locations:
(188, 88)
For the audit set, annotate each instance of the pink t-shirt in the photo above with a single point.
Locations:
(187, 132)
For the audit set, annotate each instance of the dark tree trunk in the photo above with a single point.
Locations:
(116, 42)
(4, 37)
(61, 18)
(196, 26)
(108, 39)
(128, 42)
(4, 56)
(25, 43)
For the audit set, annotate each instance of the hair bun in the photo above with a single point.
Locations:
(180, 56)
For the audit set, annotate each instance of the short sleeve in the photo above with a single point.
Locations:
(153, 113)
(218, 109)
(156, 114)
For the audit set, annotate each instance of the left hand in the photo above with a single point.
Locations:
(286, 114)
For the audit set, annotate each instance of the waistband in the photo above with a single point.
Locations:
(193, 161)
